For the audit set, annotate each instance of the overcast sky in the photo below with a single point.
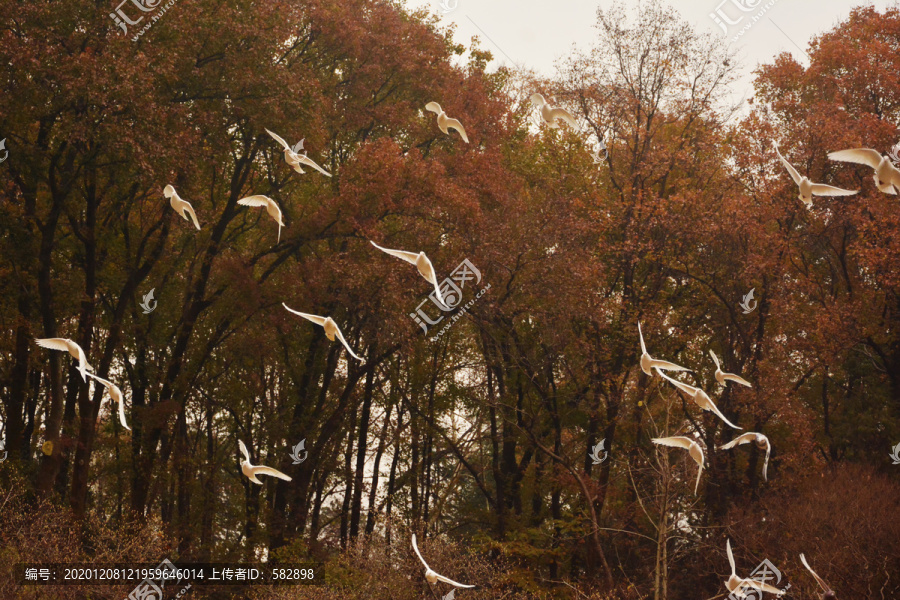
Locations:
(535, 33)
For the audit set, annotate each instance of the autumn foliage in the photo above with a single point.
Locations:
(477, 440)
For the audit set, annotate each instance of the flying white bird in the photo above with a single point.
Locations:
(688, 444)
(887, 176)
(807, 187)
(331, 328)
(737, 586)
(182, 207)
(422, 263)
(295, 159)
(761, 442)
(445, 123)
(116, 394)
(552, 114)
(722, 376)
(648, 362)
(271, 208)
(829, 593)
(431, 576)
(251, 471)
(699, 397)
(67, 345)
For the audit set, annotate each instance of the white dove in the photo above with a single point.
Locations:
(829, 593)
(699, 397)
(182, 207)
(295, 159)
(552, 114)
(67, 345)
(807, 187)
(116, 394)
(722, 376)
(251, 471)
(736, 585)
(688, 444)
(760, 440)
(431, 576)
(331, 328)
(445, 123)
(422, 263)
(648, 362)
(887, 176)
(271, 208)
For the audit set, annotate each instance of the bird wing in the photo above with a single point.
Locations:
(715, 360)
(455, 124)
(730, 557)
(665, 365)
(819, 580)
(711, 406)
(820, 189)
(122, 414)
(263, 470)
(244, 451)
(736, 379)
(255, 201)
(53, 343)
(860, 156)
(451, 582)
(674, 442)
(187, 208)
(344, 342)
(107, 384)
(687, 389)
(790, 168)
(641, 335)
(416, 548)
(279, 139)
(744, 438)
(759, 585)
(435, 108)
(766, 463)
(314, 318)
(437, 292)
(311, 163)
(561, 113)
(409, 257)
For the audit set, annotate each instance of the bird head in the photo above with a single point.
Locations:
(168, 191)
(537, 100)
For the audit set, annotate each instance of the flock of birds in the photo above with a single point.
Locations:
(887, 179)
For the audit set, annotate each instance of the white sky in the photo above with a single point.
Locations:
(535, 33)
